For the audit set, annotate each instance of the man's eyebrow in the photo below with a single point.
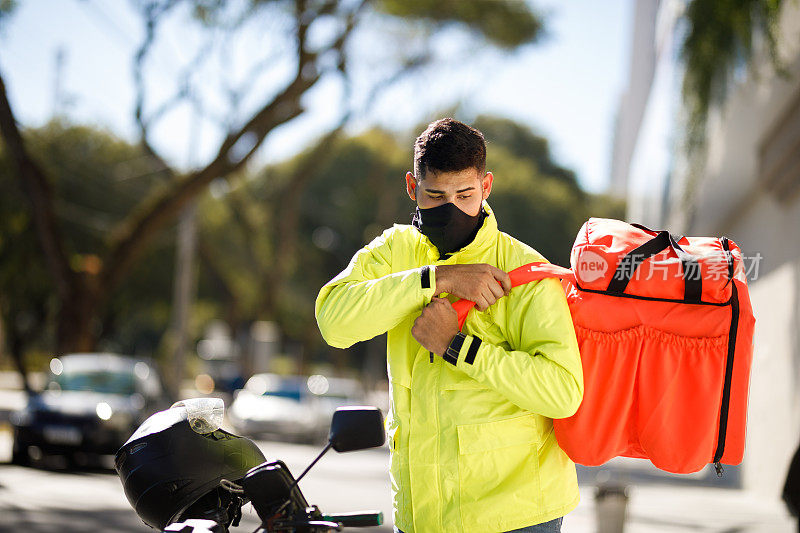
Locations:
(436, 191)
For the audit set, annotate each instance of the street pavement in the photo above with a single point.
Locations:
(50, 498)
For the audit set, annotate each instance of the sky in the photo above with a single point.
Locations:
(565, 87)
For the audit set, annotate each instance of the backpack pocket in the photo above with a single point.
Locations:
(665, 390)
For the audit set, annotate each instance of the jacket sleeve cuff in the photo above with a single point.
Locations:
(427, 280)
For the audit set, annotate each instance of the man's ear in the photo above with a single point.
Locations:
(486, 185)
(411, 186)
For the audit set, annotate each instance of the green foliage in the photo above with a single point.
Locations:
(27, 299)
(524, 144)
(535, 199)
(356, 191)
(720, 39)
(236, 230)
(353, 195)
(99, 181)
(96, 180)
(504, 23)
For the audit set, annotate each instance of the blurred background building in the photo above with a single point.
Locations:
(742, 182)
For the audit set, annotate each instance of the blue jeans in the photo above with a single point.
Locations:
(553, 526)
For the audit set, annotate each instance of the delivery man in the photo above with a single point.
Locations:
(470, 425)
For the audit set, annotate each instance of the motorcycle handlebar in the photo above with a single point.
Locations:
(358, 519)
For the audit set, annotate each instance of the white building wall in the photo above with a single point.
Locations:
(772, 231)
(634, 100)
(729, 198)
(652, 158)
(773, 423)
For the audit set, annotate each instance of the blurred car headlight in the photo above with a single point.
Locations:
(113, 419)
(104, 411)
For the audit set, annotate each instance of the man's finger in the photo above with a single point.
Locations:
(489, 296)
(502, 277)
(497, 290)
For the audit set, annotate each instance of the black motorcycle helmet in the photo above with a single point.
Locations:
(177, 457)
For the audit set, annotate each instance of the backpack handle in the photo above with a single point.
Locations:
(519, 276)
(693, 282)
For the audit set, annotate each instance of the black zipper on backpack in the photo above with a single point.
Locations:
(726, 391)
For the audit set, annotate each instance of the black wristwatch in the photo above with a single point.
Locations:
(451, 354)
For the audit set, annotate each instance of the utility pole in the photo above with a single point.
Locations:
(58, 82)
(62, 99)
(184, 284)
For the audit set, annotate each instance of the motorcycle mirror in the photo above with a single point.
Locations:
(356, 428)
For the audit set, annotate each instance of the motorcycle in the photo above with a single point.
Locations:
(182, 473)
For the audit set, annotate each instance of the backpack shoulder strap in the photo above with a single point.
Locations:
(519, 276)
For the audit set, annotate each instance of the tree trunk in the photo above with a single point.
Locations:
(76, 322)
(17, 348)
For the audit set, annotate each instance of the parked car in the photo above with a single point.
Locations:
(296, 408)
(91, 404)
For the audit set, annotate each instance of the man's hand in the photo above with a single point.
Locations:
(480, 283)
(436, 326)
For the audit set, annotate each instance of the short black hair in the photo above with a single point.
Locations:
(448, 145)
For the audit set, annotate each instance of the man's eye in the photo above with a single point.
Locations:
(464, 196)
(436, 197)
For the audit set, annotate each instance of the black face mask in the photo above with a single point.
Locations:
(447, 226)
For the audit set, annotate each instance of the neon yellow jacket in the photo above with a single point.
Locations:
(472, 444)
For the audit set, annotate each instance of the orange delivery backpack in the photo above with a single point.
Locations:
(665, 329)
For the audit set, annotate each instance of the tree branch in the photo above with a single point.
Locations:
(234, 153)
(238, 201)
(152, 13)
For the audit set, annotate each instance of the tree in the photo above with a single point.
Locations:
(97, 180)
(268, 245)
(535, 199)
(82, 294)
(718, 40)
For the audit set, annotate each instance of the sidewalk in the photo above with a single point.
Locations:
(660, 502)
(665, 509)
